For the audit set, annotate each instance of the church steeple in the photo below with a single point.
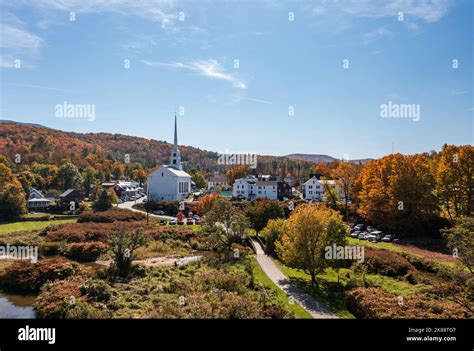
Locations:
(175, 131)
(175, 159)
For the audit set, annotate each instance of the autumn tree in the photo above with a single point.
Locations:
(118, 171)
(310, 229)
(198, 179)
(105, 199)
(261, 211)
(345, 175)
(89, 176)
(454, 180)
(460, 239)
(139, 175)
(206, 202)
(69, 176)
(272, 233)
(12, 194)
(236, 173)
(396, 193)
(225, 224)
(123, 245)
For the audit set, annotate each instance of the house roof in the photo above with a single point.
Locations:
(67, 192)
(174, 171)
(35, 194)
(313, 178)
(178, 172)
(328, 181)
(39, 200)
(267, 182)
(218, 179)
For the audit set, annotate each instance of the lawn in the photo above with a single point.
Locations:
(332, 297)
(407, 249)
(31, 225)
(327, 293)
(263, 279)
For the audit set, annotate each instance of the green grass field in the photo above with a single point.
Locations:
(333, 300)
(31, 225)
(262, 278)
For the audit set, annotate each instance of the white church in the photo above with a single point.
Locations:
(170, 182)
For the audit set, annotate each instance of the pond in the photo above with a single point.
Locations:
(16, 306)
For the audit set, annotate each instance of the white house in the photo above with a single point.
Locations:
(216, 180)
(313, 189)
(37, 201)
(250, 188)
(170, 182)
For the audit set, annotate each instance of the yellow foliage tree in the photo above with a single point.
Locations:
(310, 229)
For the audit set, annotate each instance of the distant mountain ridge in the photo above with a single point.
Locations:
(321, 158)
(22, 123)
(42, 144)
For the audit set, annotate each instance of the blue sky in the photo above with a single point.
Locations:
(282, 64)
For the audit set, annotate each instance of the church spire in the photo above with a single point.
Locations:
(175, 159)
(175, 131)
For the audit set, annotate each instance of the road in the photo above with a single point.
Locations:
(283, 282)
(128, 205)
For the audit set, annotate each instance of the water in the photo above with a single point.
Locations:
(16, 306)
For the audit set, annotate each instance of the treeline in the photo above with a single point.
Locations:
(408, 194)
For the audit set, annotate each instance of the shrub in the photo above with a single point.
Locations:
(51, 248)
(83, 232)
(85, 252)
(27, 276)
(236, 282)
(376, 303)
(387, 263)
(63, 299)
(56, 297)
(96, 290)
(429, 266)
(109, 216)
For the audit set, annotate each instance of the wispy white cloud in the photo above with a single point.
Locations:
(155, 10)
(455, 92)
(379, 33)
(42, 87)
(428, 11)
(15, 37)
(240, 98)
(209, 68)
(16, 41)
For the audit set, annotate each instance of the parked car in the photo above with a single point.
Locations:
(182, 222)
(145, 199)
(388, 238)
(359, 227)
(370, 229)
(355, 234)
(172, 222)
(190, 221)
(351, 225)
(197, 221)
(163, 222)
(159, 212)
(375, 236)
(362, 236)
